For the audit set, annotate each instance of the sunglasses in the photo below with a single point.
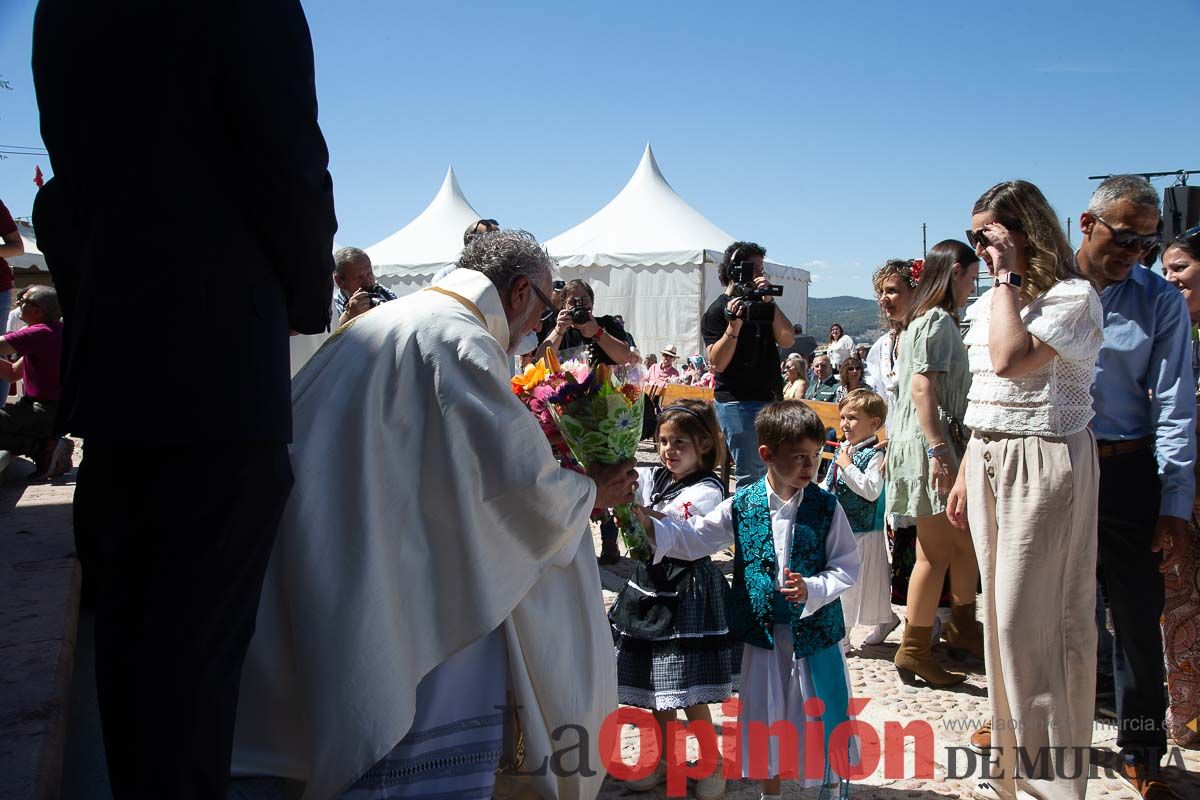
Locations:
(1130, 240)
(976, 238)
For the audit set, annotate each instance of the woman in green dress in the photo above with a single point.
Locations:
(926, 443)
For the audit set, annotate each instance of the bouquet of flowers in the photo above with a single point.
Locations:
(592, 415)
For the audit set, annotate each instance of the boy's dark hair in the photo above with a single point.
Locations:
(743, 250)
(697, 420)
(788, 421)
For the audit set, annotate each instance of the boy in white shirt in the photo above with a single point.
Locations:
(795, 554)
(856, 479)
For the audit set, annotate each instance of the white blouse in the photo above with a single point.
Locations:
(881, 371)
(1055, 399)
(701, 536)
(694, 501)
(840, 350)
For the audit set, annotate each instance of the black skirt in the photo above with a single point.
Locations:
(672, 640)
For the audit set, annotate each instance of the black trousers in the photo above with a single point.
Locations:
(25, 425)
(1133, 590)
(174, 544)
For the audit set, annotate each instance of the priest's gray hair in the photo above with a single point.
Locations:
(505, 255)
(1133, 188)
(347, 257)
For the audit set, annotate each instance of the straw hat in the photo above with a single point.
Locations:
(669, 350)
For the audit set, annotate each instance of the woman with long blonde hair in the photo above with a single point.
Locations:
(1030, 489)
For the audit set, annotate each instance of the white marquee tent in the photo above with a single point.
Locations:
(652, 259)
(406, 260)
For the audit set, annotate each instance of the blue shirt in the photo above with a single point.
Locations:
(1144, 384)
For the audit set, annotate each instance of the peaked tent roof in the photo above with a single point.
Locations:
(646, 217)
(431, 240)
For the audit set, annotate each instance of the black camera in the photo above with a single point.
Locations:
(580, 314)
(741, 275)
(376, 293)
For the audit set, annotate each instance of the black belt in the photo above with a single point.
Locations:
(1124, 447)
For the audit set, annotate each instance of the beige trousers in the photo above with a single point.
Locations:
(1031, 503)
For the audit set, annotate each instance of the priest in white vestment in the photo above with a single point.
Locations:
(433, 560)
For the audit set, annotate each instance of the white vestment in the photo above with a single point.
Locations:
(427, 511)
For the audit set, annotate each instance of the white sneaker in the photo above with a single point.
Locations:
(655, 778)
(712, 787)
(880, 633)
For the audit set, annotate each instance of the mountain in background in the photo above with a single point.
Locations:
(858, 317)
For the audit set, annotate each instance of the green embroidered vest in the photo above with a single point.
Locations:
(754, 604)
(859, 511)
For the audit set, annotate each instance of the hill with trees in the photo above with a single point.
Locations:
(858, 317)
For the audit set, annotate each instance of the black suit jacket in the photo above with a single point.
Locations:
(189, 223)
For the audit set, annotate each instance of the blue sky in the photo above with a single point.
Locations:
(828, 132)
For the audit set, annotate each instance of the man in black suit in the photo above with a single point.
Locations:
(190, 212)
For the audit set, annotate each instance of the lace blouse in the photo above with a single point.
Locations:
(1055, 399)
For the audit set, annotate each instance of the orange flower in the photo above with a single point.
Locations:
(533, 375)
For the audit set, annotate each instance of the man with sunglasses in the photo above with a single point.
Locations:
(1145, 432)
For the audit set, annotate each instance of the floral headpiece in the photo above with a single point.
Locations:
(914, 273)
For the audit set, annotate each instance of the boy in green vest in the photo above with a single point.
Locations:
(795, 554)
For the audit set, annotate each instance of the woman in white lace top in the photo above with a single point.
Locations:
(1030, 485)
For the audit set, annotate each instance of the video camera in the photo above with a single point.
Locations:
(741, 275)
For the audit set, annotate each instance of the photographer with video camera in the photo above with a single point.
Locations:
(575, 326)
(355, 290)
(742, 329)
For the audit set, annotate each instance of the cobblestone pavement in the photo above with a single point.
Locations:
(951, 712)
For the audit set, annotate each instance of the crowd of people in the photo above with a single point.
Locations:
(377, 582)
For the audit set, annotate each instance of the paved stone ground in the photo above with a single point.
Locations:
(950, 712)
(872, 676)
(39, 579)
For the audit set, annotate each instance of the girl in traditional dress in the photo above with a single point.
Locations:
(673, 645)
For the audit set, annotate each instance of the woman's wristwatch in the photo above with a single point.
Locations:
(1010, 279)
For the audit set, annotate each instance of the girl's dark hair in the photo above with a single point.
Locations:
(1188, 242)
(934, 290)
(698, 421)
(837, 325)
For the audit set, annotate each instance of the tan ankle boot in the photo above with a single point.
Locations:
(963, 632)
(913, 659)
